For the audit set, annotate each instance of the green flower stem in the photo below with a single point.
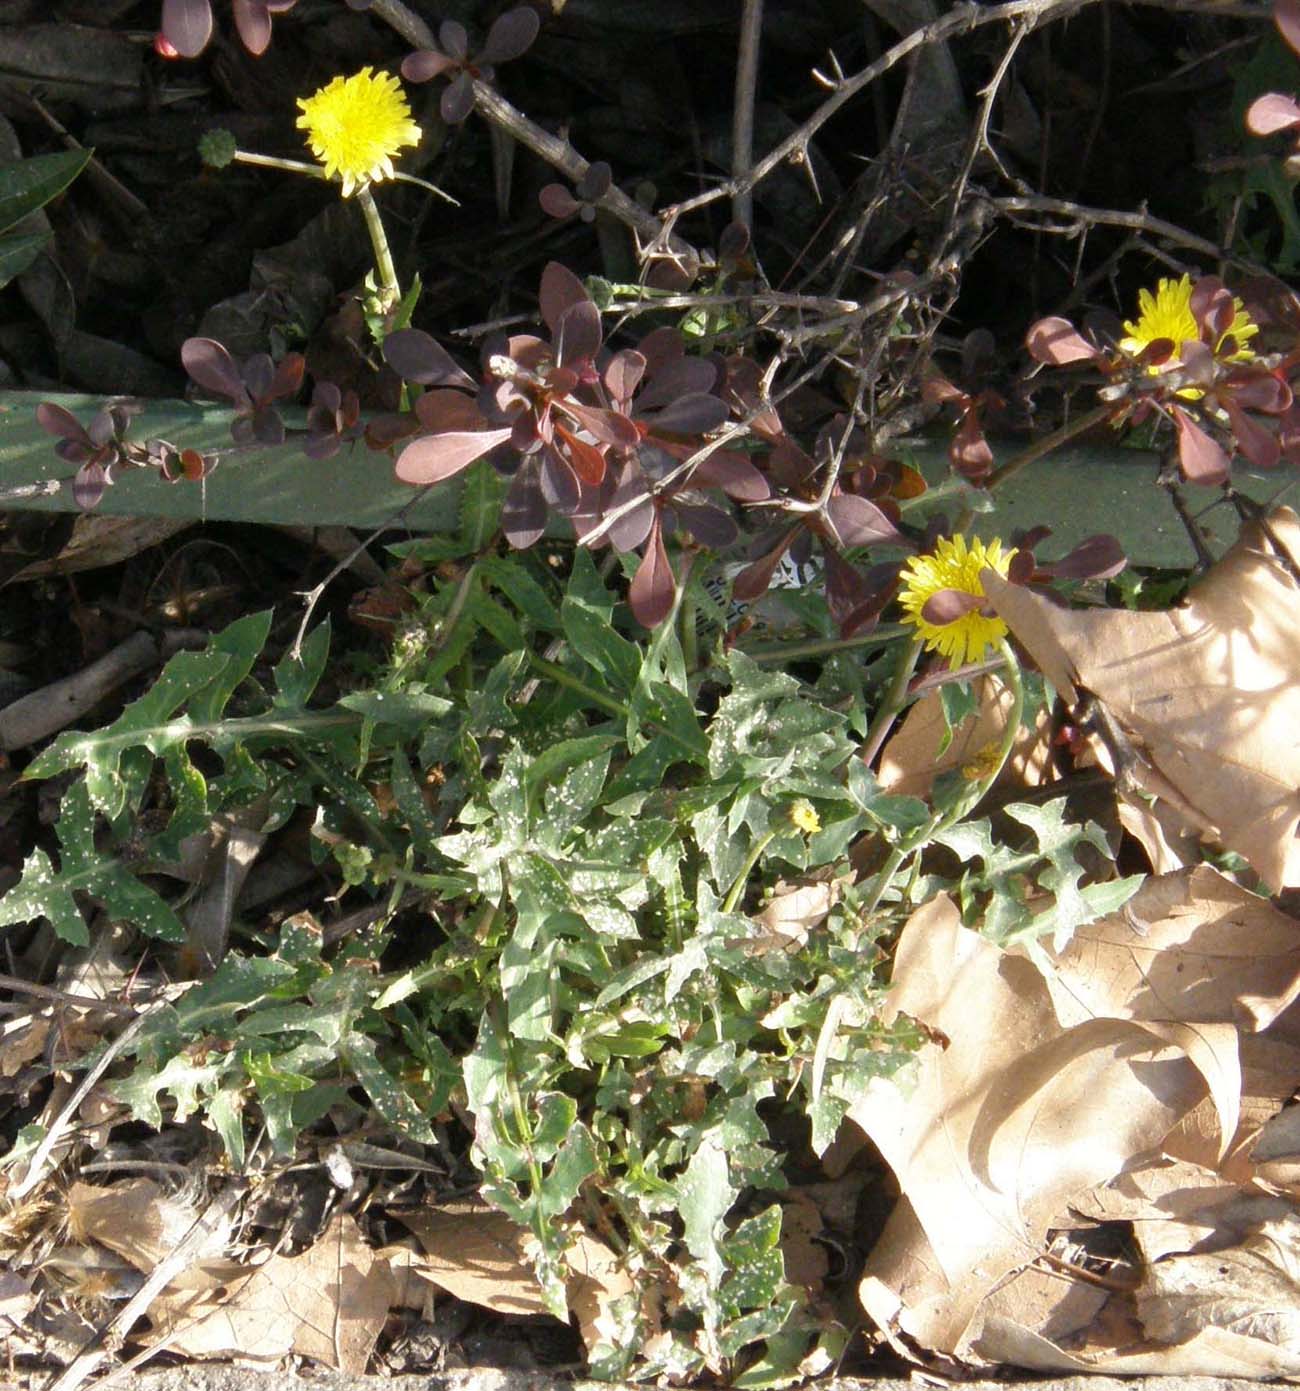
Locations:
(894, 700)
(294, 166)
(390, 291)
(941, 821)
(738, 883)
(1011, 674)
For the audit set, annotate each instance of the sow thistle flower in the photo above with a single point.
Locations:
(942, 598)
(355, 125)
(1168, 315)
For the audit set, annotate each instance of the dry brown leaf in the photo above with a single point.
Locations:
(911, 760)
(22, 1040)
(1209, 692)
(598, 1281)
(1190, 947)
(329, 1303)
(1212, 1352)
(1252, 1289)
(993, 1135)
(795, 909)
(136, 1219)
(476, 1253)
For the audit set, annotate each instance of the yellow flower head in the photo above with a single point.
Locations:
(355, 126)
(1168, 314)
(955, 564)
(804, 816)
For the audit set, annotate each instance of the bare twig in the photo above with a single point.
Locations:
(1082, 217)
(979, 140)
(37, 1164)
(55, 706)
(562, 156)
(47, 992)
(742, 114)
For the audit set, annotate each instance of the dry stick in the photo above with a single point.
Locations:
(171, 1265)
(47, 992)
(1139, 221)
(36, 1165)
(960, 20)
(742, 114)
(979, 139)
(55, 706)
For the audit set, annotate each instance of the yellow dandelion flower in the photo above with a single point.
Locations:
(804, 816)
(955, 564)
(355, 125)
(1168, 314)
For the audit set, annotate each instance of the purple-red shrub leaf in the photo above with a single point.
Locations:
(287, 377)
(690, 415)
(947, 605)
(587, 461)
(969, 450)
(577, 333)
(444, 409)
(416, 356)
(187, 26)
(523, 513)
(596, 182)
(1286, 15)
(57, 421)
(653, 586)
(609, 427)
(1259, 445)
(1056, 341)
(629, 530)
(431, 458)
(254, 24)
(855, 600)
(734, 474)
(1095, 558)
(561, 487)
(453, 40)
(88, 486)
(660, 347)
(1258, 391)
(426, 63)
(559, 291)
(258, 373)
(622, 375)
(557, 201)
(1272, 112)
(753, 580)
(680, 376)
(1022, 567)
(709, 525)
(1199, 456)
(457, 99)
(856, 522)
(212, 367)
(267, 426)
(510, 35)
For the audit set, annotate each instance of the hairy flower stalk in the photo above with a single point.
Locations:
(953, 571)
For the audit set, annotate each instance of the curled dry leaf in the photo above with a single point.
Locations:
(992, 1136)
(1209, 692)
